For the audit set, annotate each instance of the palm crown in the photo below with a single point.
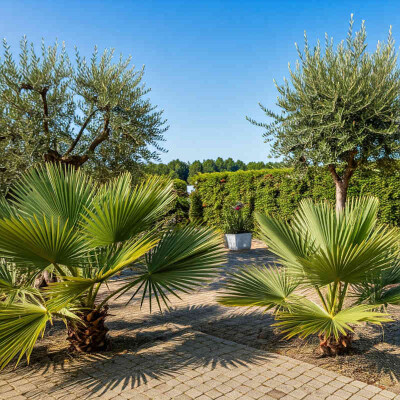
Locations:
(346, 258)
(58, 220)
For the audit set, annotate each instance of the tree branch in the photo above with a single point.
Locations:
(335, 176)
(43, 94)
(349, 170)
(78, 137)
(97, 141)
(351, 167)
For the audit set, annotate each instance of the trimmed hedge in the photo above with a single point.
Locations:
(279, 191)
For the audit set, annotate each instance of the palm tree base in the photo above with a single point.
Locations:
(330, 346)
(91, 336)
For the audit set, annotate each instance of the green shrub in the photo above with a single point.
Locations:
(196, 207)
(279, 191)
(179, 211)
(180, 187)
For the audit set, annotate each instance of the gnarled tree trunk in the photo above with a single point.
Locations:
(341, 194)
(91, 335)
(342, 182)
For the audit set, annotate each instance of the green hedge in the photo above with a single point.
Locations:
(278, 191)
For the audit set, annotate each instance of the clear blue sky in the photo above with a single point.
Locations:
(208, 63)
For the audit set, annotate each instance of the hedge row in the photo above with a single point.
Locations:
(279, 191)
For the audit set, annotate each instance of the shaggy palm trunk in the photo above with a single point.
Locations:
(330, 346)
(91, 335)
(43, 279)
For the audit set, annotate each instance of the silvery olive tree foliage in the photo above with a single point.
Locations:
(340, 108)
(91, 112)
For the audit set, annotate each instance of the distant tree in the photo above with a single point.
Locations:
(230, 165)
(220, 164)
(275, 164)
(209, 166)
(181, 168)
(157, 169)
(255, 165)
(241, 165)
(340, 109)
(195, 168)
(93, 112)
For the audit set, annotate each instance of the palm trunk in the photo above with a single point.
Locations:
(330, 346)
(91, 335)
(43, 279)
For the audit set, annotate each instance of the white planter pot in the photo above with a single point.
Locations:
(238, 241)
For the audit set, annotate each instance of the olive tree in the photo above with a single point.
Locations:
(93, 111)
(339, 108)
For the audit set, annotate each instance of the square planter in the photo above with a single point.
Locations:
(238, 241)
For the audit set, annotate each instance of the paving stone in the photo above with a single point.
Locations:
(186, 365)
(276, 394)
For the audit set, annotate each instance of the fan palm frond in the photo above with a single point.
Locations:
(260, 287)
(121, 213)
(20, 326)
(182, 260)
(306, 318)
(56, 191)
(40, 241)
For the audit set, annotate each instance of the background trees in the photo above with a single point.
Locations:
(340, 108)
(91, 112)
(177, 169)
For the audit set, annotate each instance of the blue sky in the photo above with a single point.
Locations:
(208, 63)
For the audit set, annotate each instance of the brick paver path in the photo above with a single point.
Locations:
(166, 357)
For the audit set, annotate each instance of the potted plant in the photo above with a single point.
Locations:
(237, 228)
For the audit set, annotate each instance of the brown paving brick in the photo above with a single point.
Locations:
(276, 394)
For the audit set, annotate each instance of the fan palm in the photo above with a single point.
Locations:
(346, 258)
(58, 220)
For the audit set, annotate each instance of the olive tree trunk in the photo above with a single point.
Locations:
(341, 194)
(342, 182)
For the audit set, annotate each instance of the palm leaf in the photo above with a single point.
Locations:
(40, 241)
(56, 191)
(350, 262)
(70, 288)
(121, 212)
(6, 209)
(287, 243)
(16, 283)
(20, 326)
(307, 318)
(182, 260)
(323, 246)
(260, 287)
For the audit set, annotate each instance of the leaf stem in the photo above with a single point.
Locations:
(322, 298)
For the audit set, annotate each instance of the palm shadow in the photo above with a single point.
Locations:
(189, 315)
(168, 357)
(379, 349)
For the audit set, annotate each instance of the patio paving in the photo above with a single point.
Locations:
(170, 357)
